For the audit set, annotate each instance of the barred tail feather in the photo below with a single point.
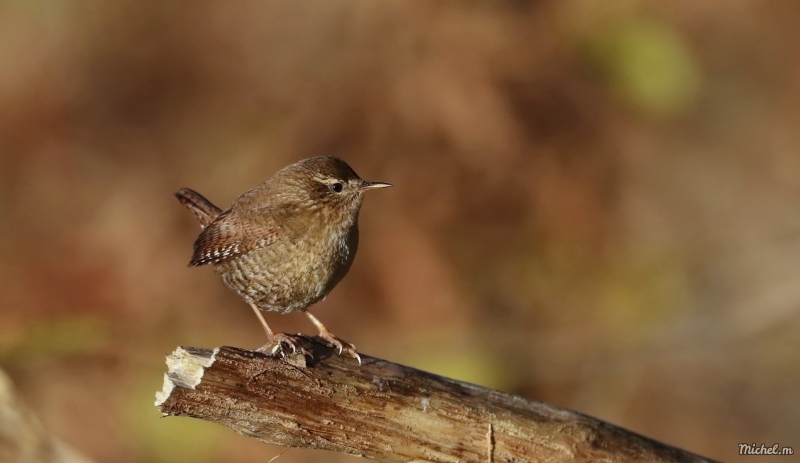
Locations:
(203, 209)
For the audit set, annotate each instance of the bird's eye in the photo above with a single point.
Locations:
(337, 187)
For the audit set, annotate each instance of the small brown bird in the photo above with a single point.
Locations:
(285, 244)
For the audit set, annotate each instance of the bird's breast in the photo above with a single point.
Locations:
(293, 274)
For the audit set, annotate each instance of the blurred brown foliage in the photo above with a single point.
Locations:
(596, 204)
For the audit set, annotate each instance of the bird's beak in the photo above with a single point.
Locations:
(365, 185)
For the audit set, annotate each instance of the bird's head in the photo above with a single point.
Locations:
(328, 183)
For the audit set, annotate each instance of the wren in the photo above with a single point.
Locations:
(285, 244)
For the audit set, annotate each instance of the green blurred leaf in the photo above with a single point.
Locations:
(61, 337)
(650, 65)
(471, 363)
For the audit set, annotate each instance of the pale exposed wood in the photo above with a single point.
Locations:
(387, 411)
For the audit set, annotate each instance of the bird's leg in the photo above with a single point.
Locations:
(276, 341)
(341, 344)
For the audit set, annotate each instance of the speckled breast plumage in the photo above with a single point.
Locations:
(292, 274)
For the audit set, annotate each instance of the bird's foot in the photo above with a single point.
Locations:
(275, 346)
(344, 347)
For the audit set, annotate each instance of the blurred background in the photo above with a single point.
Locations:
(596, 204)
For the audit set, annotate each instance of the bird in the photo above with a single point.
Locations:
(283, 245)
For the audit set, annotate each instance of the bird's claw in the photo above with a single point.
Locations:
(342, 346)
(276, 346)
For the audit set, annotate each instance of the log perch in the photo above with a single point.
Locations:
(386, 411)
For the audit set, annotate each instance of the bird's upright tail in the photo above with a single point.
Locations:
(202, 208)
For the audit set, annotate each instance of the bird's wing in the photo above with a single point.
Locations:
(226, 239)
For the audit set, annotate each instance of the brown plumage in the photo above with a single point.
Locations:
(285, 244)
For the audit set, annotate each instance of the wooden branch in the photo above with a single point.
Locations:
(23, 439)
(386, 411)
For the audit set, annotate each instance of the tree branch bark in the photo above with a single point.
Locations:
(386, 411)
